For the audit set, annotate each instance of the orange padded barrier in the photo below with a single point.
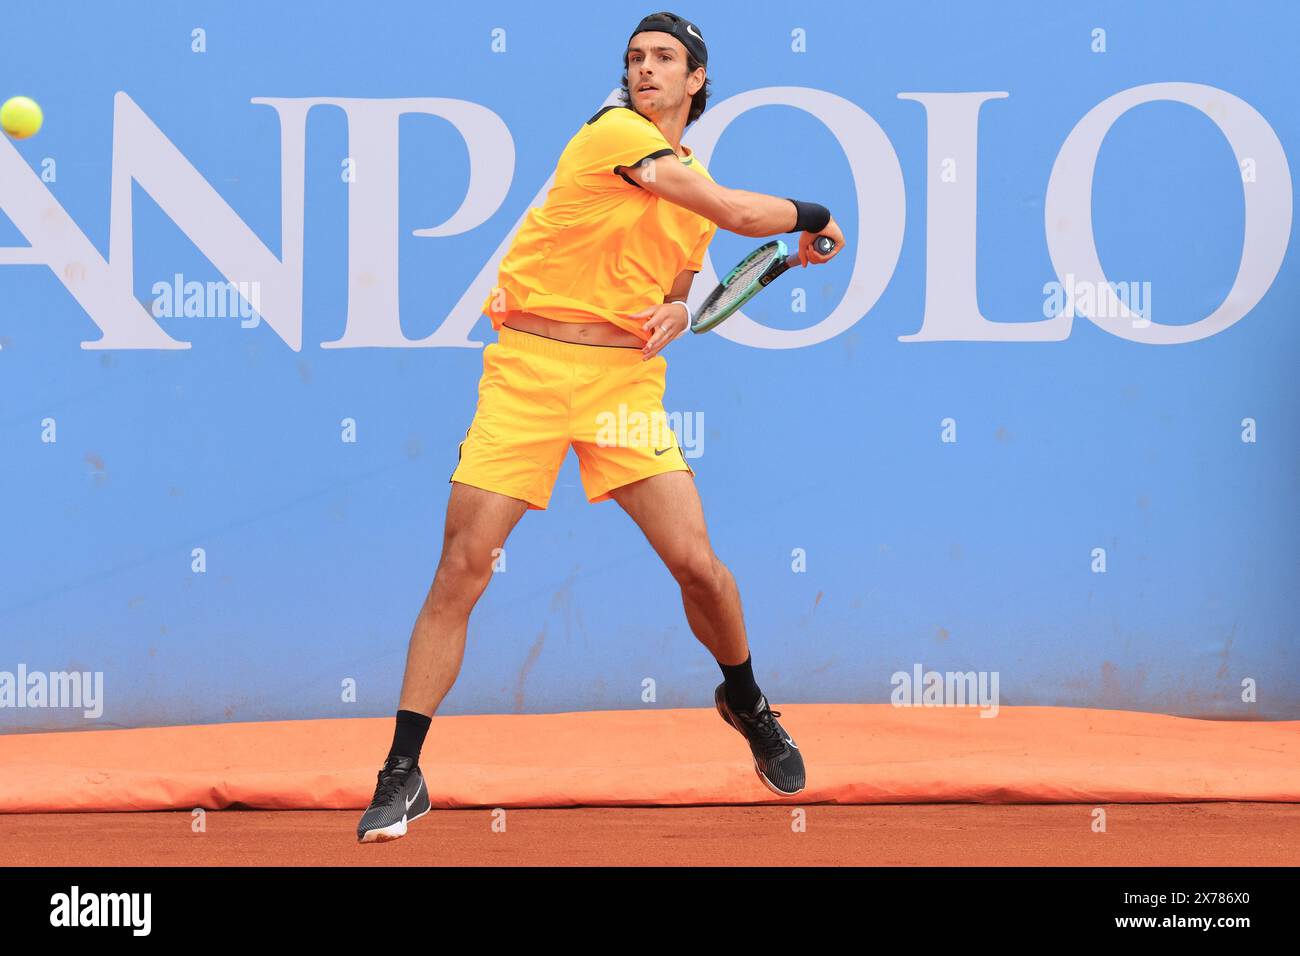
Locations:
(856, 753)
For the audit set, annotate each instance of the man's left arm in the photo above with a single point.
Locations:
(667, 321)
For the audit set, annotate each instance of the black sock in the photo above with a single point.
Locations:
(408, 737)
(740, 690)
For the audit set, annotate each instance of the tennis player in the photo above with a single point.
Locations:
(593, 287)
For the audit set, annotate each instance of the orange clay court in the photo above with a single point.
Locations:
(887, 786)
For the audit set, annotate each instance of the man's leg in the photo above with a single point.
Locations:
(667, 509)
(515, 445)
(478, 522)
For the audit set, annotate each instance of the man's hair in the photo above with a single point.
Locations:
(697, 101)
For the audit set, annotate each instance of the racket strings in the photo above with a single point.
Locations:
(739, 286)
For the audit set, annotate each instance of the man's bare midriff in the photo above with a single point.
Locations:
(583, 333)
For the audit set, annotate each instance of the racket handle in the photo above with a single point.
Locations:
(823, 244)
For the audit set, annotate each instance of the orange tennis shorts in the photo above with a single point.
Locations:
(538, 396)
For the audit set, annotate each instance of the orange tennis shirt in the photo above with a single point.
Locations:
(601, 247)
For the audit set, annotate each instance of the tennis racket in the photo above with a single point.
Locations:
(749, 278)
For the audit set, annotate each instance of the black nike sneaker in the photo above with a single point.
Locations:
(400, 798)
(776, 757)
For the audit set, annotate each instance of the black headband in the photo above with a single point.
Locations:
(685, 31)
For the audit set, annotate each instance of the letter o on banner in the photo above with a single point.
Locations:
(1073, 248)
(878, 184)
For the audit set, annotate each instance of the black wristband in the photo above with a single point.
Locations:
(810, 217)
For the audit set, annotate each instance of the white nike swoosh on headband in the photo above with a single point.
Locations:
(691, 30)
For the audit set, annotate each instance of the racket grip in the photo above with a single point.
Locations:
(823, 244)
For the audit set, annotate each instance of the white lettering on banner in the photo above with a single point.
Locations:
(1067, 210)
(142, 154)
(373, 318)
(104, 292)
(952, 312)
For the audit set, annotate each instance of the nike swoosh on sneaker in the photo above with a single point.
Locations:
(415, 795)
(782, 772)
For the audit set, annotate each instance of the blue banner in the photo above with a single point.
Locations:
(1037, 422)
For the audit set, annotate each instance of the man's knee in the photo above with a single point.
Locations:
(698, 570)
(463, 570)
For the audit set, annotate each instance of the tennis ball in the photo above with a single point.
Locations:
(20, 117)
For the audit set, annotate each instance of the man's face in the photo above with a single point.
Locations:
(657, 81)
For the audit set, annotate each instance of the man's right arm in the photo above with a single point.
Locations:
(737, 210)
